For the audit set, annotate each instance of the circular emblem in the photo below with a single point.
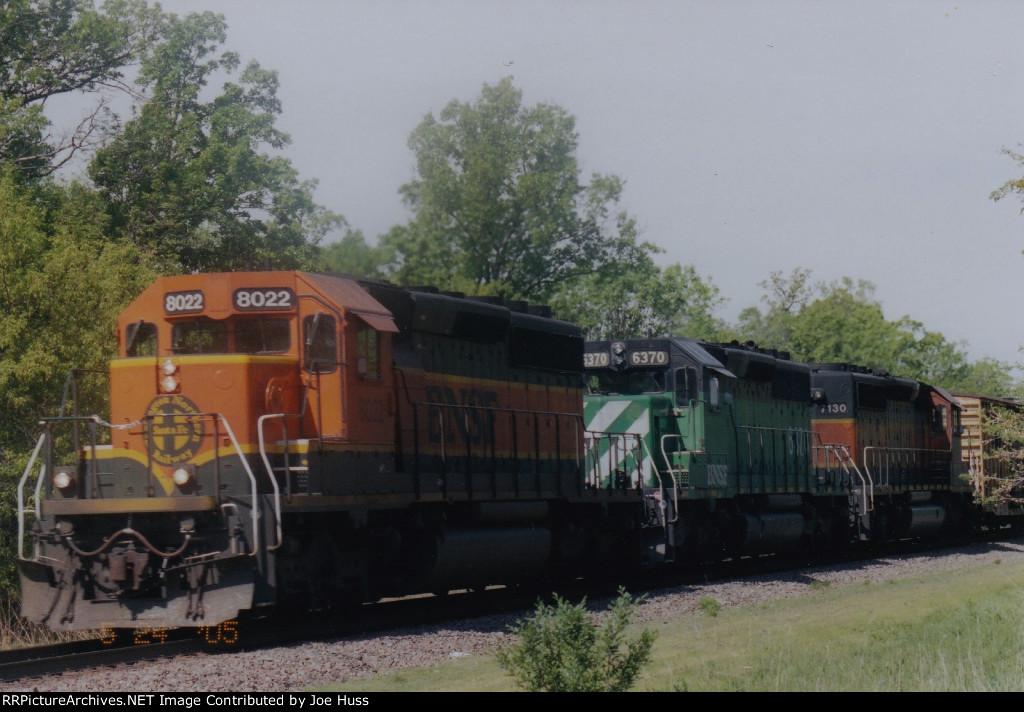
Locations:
(175, 437)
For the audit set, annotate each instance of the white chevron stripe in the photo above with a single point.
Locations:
(642, 426)
(604, 420)
(607, 415)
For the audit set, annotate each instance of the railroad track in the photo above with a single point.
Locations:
(127, 646)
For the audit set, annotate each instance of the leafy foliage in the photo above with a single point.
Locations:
(561, 649)
(641, 300)
(188, 178)
(56, 47)
(62, 285)
(842, 321)
(352, 255)
(1002, 426)
(499, 206)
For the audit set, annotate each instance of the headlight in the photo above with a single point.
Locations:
(169, 367)
(63, 478)
(169, 384)
(182, 476)
(618, 349)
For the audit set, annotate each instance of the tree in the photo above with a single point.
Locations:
(991, 377)
(352, 255)
(499, 207)
(62, 285)
(190, 179)
(785, 297)
(642, 300)
(842, 321)
(54, 47)
(560, 649)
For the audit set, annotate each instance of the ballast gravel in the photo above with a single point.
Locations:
(298, 667)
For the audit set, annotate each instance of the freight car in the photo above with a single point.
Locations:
(1000, 493)
(285, 438)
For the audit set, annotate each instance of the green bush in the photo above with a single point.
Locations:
(561, 648)
(709, 605)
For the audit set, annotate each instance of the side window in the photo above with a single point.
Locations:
(713, 398)
(320, 345)
(686, 387)
(140, 339)
(369, 360)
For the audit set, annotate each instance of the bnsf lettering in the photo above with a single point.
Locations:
(718, 475)
(467, 417)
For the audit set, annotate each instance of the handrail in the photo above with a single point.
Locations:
(596, 436)
(21, 499)
(848, 464)
(672, 472)
(252, 480)
(270, 471)
(871, 450)
(46, 436)
(805, 440)
(492, 409)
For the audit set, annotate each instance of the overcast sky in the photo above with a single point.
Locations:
(854, 139)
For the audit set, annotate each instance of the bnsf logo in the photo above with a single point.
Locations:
(468, 415)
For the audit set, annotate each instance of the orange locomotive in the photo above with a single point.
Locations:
(899, 441)
(282, 436)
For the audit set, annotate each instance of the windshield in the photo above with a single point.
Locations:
(247, 336)
(626, 382)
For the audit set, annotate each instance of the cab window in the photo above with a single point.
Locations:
(940, 419)
(369, 360)
(686, 386)
(320, 345)
(626, 382)
(200, 336)
(261, 336)
(140, 339)
(714, 400)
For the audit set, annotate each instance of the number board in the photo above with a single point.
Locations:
(184, 302)
(265, 299)
(648, 358)
(833, 409)
(597, 359)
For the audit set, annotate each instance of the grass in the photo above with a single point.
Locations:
(18, 633)
(961, 630)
